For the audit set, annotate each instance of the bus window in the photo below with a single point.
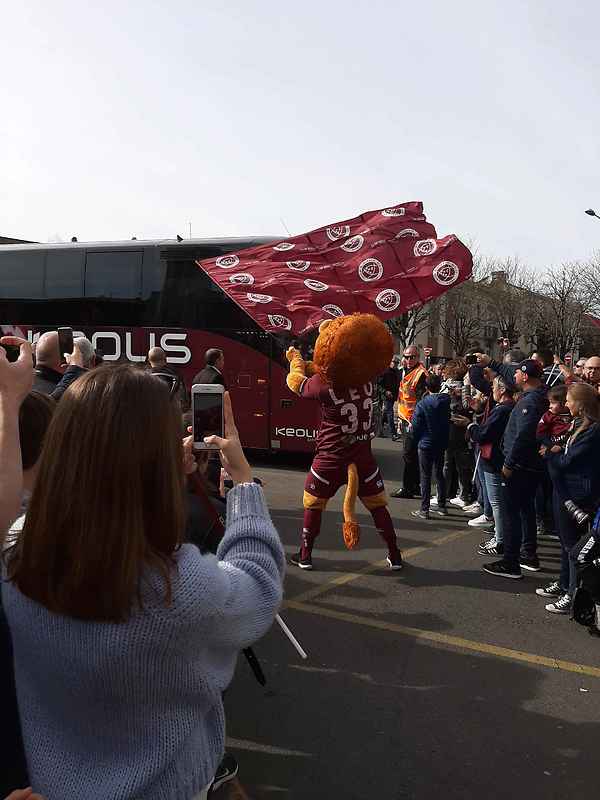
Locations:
(22, 275)
(114, 274)
(64, 273)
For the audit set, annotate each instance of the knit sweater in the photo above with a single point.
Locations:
(133, 710)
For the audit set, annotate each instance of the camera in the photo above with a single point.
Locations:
(470, 359)
(580, 516)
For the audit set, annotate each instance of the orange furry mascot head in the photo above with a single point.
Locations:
(350, 351)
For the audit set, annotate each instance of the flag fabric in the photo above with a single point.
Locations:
(383, 262)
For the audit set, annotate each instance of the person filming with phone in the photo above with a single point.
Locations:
(102, 588)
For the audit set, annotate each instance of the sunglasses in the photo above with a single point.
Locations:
(407, 357)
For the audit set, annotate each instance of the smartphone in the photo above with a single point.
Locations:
(65, 341)
(12, 352)
(207, 413)
(470, 359)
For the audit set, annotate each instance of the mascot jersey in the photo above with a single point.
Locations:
(343, 449)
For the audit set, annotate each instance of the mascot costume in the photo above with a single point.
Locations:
(349, 353)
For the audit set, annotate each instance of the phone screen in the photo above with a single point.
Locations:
(12, 352)
(65, 341)
(208, 415)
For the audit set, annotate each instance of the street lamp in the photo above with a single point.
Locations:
(592, 213)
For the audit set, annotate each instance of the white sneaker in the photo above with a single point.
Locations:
(560, 606)
(481, 522)
(474, 509)
(433, 501)
(458, 501)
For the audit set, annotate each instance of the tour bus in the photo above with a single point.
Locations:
(127, 297)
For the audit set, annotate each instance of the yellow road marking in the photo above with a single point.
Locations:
(456, 642)
(348, 577)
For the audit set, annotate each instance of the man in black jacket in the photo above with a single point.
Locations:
(48, 363)
(522, 467)
(389, 382)
(213, 371)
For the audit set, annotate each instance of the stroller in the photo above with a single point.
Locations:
(585, 608)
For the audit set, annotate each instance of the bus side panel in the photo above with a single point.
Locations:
(246, 370)
(294, 421)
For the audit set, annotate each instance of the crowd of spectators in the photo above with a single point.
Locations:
(125, 600)
(515, 445)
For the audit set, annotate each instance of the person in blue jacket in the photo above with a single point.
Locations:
(488, 436)
(575, 474)
(430, 431)
(522, 467)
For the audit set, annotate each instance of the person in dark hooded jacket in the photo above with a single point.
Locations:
(431, 430)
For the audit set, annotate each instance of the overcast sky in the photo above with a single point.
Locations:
(136, 117)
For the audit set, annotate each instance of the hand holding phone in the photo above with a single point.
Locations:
(207, 414)
(65, 343)
(230, 449)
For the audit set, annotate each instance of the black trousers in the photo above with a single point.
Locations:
(410, 476)
(459, 463)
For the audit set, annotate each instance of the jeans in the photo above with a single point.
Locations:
(487, 506)
(430, 460)
(493, 483)
(518, 494)
(569, 533)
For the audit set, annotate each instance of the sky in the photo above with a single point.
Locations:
(246, 118)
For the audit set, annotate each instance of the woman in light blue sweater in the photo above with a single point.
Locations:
(123, 637)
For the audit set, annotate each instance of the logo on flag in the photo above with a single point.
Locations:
(279, 321)
(338, 232)
(405, 233)
(446, 273)
(226, 262)
(370, 270)
(259, 298)
(393, 212)
(335, 311)
(316, 286)
(426, 247)
(242, 277)
(298, 266)
(387, 300)
(282, 246)
(353, 244)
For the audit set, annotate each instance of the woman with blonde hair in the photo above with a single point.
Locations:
(124, 638)
(575, 474)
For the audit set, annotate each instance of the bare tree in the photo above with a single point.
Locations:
(409, 325)
(506, 285)
(460, 317)
(567, 296)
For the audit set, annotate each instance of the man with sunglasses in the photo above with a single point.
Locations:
(579, 367)
(412, 388)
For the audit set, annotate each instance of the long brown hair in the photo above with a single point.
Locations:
(589, 404)
(108, 500)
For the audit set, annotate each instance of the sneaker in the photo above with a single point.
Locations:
(531, 563)
(560, 606)
(458, 501)
(481, 522)
(433, 501)
(489, 542)
(552, 590)
(500, 569)
(475, 509)
(227, 770)
(394, 562)
(494, 549)
(441, 511)
(303, 563)
(420, 514)
(403, 494)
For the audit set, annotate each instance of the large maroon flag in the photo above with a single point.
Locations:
(383, 262)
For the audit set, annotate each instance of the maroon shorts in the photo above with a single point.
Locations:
(325, 478)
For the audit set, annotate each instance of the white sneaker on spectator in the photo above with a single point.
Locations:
(474, 509)
(433, 501)
(560, 606)
(458, 501)
(481, 522)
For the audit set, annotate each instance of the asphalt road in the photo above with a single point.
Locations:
(438, 681)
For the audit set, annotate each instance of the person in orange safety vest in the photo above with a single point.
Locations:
(412, 388)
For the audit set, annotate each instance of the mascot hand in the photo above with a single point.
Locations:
(292, 353)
